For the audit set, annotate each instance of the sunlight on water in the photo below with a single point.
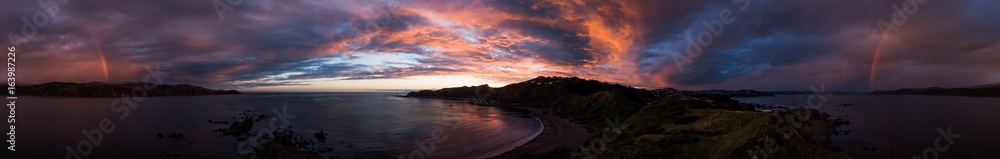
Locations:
(358, 124)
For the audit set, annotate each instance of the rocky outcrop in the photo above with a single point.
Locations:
(452, 93)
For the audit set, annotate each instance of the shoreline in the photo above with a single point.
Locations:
(556, 132)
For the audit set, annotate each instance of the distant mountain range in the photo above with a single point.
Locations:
(660, 123)
(810, 92)
(986, 86)
(575, 85)
(992, 90)
(737, 93)
(98, 89)
(978, 91)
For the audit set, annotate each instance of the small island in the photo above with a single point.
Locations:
(99, 89)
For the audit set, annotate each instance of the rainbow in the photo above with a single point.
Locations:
(100, 53)
(104, 62)
(871, 75)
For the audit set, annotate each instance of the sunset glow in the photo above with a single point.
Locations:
(502, 79)
(342, 45)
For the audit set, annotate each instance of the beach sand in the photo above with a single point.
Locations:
(557, 133)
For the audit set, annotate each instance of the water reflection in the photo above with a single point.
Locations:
(356, 124)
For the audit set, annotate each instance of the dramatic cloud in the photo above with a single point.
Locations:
(729, 44)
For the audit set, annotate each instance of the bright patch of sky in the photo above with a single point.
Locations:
(376, 59)
(285, 75)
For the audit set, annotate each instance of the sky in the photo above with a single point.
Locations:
(392, 45)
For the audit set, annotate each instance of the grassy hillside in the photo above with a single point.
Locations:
(625, 122)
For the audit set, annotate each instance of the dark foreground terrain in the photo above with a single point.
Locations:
(625, 122)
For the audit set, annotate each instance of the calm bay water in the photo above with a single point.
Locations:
(358, 124)
(903, 126)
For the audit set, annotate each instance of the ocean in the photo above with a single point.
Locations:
(904, 126)
(356, 124)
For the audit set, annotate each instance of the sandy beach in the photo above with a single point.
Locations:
(557, 133)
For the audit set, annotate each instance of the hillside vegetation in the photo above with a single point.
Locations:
(626, 122)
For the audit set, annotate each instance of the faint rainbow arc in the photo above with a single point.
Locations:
(100, 53)
(104, 62)
(871, 75)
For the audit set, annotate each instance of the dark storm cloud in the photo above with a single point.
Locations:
(786, 39)
(771, 44)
